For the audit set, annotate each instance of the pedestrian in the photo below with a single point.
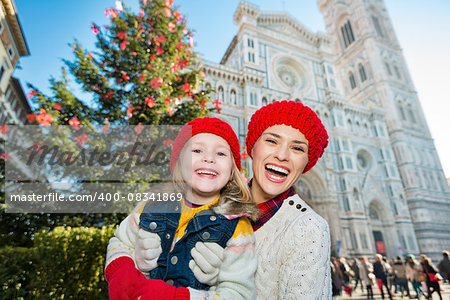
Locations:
(366, 273)
(444, 266)
(414, 274)
(399, 270)
(346, 271)
(356, 275)
(380, 270)
(339, 275)
(336, 281)
(433, 277)
(390, 275)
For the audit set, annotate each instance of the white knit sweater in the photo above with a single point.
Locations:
(293, 250)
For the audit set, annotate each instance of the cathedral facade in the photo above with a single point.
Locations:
(380, 184)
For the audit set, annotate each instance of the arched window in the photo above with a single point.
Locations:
(343, 185)
(362, 73)
(376, 24)
(397, 72)
(264, 101)
(411, 115)
(233, 99)
(347, 34)
(402, 112)
(326, 119)
(253, 99)
(220, 95)
(350, 125)
(388, 68)
(251, 57)
(366, 129)
(356, 194)
(352, 81)
(346, 204)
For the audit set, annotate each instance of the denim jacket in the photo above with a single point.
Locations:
(205, 226)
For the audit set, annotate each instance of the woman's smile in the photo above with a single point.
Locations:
(276, 173)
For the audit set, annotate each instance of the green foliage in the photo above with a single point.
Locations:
(65, 263)
(70, 262)
(16, 271)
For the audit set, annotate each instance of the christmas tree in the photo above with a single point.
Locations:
(144, 71)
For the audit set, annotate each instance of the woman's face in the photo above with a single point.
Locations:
(279, 157)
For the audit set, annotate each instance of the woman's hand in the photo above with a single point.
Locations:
(147, 250)
(206, 262)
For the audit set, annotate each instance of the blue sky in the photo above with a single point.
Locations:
(422, 27)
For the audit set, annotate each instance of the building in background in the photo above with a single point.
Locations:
(380, 185)
(13, 103)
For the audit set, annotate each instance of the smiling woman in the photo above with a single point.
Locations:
(285, 139)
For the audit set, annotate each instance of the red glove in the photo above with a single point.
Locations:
(159, 290)
(123, 278)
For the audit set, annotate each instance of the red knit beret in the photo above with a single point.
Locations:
(206, 125)
(293, 114)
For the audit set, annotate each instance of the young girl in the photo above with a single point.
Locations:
(205, 166)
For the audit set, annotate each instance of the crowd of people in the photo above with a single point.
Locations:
(409, 277)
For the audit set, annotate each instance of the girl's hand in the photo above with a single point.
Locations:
(206, 262)
(123, 278)
(151, 289)
(147, 250)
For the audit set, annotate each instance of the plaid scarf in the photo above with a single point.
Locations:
(269, 208)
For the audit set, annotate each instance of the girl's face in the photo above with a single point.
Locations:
(206, 164)
(279, 157)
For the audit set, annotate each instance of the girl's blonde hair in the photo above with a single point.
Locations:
(235, 189)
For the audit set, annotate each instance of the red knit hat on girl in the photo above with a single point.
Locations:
(206, 125)
(296, 115)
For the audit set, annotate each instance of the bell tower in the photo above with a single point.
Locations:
(373, 72)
